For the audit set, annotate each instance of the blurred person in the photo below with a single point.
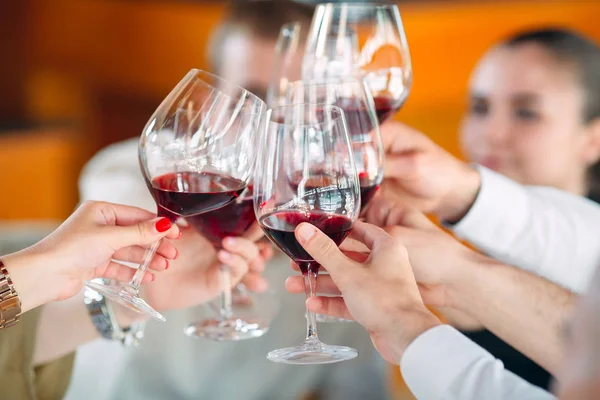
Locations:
(377, 281)
(534, 116)
(95, 241)
(171, 365)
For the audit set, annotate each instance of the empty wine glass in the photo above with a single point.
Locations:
(364, 39)
(197, 154)
(306, 173)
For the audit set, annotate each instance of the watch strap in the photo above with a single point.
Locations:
(10, 303)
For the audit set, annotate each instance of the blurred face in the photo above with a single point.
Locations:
(247, 61)
(525, 119)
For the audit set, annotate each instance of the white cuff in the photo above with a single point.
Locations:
(433, 362)
(497, 193)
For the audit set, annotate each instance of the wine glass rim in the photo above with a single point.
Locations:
(326, 81)
(339, 113)
(359, 5)
(196, 72)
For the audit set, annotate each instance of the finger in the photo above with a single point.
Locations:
(254, 233)
(415, 219)
(399, 138)
(266, 251)
(255, 282)
(353, 245)
(137, 254)
(141, 234)
(332, 306)
(356, 256)
(296, 267)
(237, 264)
(382, 245)
(325, 285)
(120, 273)
(244, 248)
(323, 250)
(118, 214)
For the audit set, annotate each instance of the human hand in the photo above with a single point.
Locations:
(424, 176)
(195, 277)
(89, 244)
(378, 290)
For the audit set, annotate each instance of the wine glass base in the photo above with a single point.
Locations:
(122, 295)
(233, 329)
(312, 353)
(326, 319)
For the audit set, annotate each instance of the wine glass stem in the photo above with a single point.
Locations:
(310, 287)
(226, 311)
(134, 285)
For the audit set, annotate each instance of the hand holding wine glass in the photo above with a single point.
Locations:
(306, 173)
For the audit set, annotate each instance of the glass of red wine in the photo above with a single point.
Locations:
(353, 97)
(232, 220)
(306, 173)
(367, 39)
(197, 154)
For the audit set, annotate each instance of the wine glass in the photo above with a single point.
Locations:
(197, 154)
(366, 39)
(353, 97)
(232, 220)
(306, 173)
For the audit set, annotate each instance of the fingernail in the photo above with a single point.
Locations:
(168, 265)
(305, 232)
(230, 241)
(163, 225)
(176, 254)
(225, 255)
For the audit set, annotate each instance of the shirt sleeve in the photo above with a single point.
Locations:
(444, 364)
(543, 230)
(19, 379)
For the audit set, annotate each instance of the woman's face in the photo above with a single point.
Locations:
(525, 118)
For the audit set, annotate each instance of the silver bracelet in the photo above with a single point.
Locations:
(104, 319)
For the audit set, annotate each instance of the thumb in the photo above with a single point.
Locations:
(324, 250)
(143, 233)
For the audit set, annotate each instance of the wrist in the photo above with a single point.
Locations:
(461, 198)
(31, 278)
(408, 326)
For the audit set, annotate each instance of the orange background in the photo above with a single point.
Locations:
(104, 65)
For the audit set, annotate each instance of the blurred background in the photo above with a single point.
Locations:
(79, 75)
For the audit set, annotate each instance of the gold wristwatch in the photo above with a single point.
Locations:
(10, 304)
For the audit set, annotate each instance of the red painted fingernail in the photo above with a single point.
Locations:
(163, 225)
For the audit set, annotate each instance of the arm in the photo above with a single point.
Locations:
(542, 230)
(380, 292)
(443, 364)
(523, 309)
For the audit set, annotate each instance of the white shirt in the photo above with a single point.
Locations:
(543, 230)
(170, 365)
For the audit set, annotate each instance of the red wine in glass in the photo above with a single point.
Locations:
(190, 193)
(279, 228)
(385, 107)
(232, 220)
(368, 188)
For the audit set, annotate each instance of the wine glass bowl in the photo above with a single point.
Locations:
(364, 39)
(306, 173)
